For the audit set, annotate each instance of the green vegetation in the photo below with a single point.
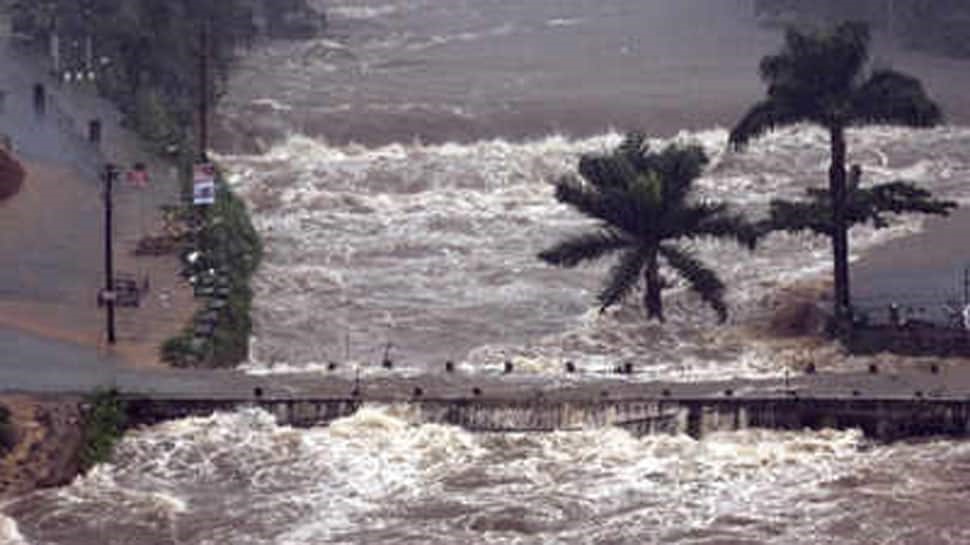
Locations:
(146, 54)
(8, 437)
(821, 77)
(104, 424)
(863, 205)
(642, 201)
(148, 60)
(229, 245)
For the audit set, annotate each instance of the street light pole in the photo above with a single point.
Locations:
(966, 285)
(203, 90)
(110, 172)
(891, 18)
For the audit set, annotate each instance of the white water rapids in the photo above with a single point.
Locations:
(432, 248)
(400, 170)
(377, 477)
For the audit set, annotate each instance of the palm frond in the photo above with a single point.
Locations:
(762, 118)
(701, 279)
(815, 68)
(618, 169)
(584, 247)
(862, 205)
(894, 98)
(606, 171)
(900, 197)
(592, 201)
(723, 224)
(684, 220)
(622, 278)
(847, 55)
(633, 147)
(793, 216)
(679, 167)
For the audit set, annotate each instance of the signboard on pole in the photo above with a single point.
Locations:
(204, 184)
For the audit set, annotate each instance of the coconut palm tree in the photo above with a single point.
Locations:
(821, 77)
(641, 200)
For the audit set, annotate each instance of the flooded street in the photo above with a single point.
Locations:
(400, 170)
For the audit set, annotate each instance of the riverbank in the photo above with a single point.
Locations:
(227, 251)
(49, 440)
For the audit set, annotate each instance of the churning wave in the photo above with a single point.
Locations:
(379, 476)
(9, 532)
(432, 248)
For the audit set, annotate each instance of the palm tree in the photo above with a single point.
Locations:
(641, 199)
(821, 77)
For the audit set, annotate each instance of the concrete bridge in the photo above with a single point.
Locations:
(883, 419)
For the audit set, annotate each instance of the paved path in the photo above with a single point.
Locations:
(51, 248)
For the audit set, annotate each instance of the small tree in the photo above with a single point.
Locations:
(641, 199)
(7, 435)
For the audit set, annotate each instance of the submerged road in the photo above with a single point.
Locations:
(31, 364)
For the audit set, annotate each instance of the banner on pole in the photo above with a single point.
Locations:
(204, 184)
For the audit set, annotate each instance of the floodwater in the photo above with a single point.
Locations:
(401, 171)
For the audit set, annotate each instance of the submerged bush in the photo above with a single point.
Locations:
(8, 437)
(232, 246)
(104, 424)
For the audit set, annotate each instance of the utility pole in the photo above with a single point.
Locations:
(204, 90)
(110, 173)
(891, 18)
(966, 286)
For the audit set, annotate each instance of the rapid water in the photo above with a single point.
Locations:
(432, 248)
(379, 478)
(401, 172)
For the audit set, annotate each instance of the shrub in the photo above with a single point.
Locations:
(104, 424)
(229, 243)
(8, 437)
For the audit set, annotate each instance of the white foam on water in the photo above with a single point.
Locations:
(10, 532)
(385, 476)
(272, 104)
(362, 12)
(382, 474)
(565, 22)
(432, 248)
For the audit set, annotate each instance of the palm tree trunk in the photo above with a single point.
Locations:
(840, 236)
(651, 294)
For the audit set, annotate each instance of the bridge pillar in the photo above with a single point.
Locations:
(695, 420)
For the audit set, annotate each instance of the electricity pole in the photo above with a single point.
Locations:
(110, 173)
(203, 90)
(891, 18)
(966, 285)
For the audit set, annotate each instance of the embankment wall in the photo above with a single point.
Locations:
(886, 419)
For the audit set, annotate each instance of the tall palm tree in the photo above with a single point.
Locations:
(641, 199)
(821, 77)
